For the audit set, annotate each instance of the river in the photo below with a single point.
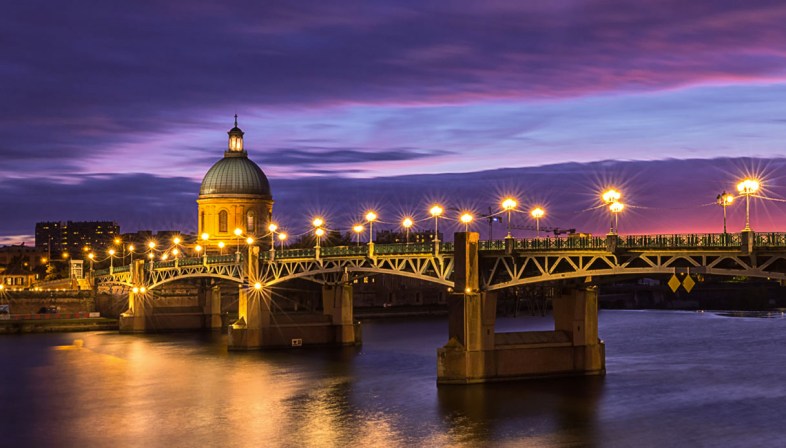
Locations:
(674, 379)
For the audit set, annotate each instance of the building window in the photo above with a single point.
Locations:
(222, 221)
(250, 222)
(202, 223)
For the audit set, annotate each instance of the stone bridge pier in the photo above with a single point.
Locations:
(475, 353)
(259, 327)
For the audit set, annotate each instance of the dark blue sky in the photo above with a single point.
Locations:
(115, 110)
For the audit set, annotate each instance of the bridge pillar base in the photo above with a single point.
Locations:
(253, 316)
(133, 320)
(337, 303)
(476, 354)
(212, 307)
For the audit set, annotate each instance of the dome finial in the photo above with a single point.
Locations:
(235, 120)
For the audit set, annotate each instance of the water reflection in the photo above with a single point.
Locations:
(669, 374)
(554, 412)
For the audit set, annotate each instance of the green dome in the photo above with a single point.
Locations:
(235, 174)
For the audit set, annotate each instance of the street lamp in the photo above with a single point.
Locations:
(119, 242)
(131, 252)
(358, 229)
(466, 218)
(615, 209)
(282, 237)
(436, 212)
(319, 232)
(609, 197)
(537, 213)
(272, 227)
(91, 256)
(724, 200)
(509, 204)
(111, 258)
(407, 223)
(371, 217)
(748, 187)
(221, 247)
(237, 233)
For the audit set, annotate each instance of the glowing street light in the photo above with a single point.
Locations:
(221, 247)
(257, 286)
(609, 197)
(407, 223)
(466, 218)
(131, 249)
(724, 200)
(358, 229)
(371, 217)
(537, 213)
(91, 256)
(436, 212)
(282, 237)
(748, 187)
(319, 232)
(616, 208)
(272, 227)
(509, 204)
(238, 232)
(111, 258)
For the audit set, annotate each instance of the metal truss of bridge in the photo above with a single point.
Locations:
(502, 264)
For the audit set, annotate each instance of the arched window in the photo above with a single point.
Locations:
(250, 222)
(222, 221)
(202, 223)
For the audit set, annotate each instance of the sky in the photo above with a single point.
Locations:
(115, 110)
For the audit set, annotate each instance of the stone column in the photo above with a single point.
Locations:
(133, 320)
(337, 303)
(576, 313)
(210, 299)
(253, 316)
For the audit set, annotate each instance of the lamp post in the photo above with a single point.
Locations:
(282, 237)
(221, 247)
(237, 233)
(205, 237)
(748, 187)
(407, 223)
(111, 260)
(119, 242)
(272, 227)
(358, 229)
(609, 197)
(466, 218)
(371, 217)
(91, 256)
(724, 200)
(616, 208)
(436, 212)
(509, 205)
(537, 213)
(318, 231)
(131, 249)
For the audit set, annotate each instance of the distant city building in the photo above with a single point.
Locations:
(235, 194)
(56, 238)
(21, 256)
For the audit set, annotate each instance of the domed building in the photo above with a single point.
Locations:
(235, 194)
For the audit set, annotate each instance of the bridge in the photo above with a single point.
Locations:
(472, 271)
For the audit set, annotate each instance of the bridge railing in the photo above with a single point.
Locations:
(770, 239)
(681, 241)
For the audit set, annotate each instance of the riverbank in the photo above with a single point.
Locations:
(56, 325)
